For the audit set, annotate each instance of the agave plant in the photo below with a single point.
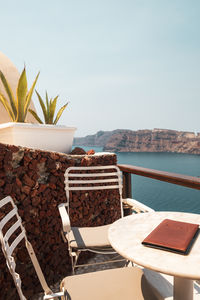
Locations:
(48, 110)
(17, 108)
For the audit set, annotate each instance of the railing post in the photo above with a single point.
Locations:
(127, 190)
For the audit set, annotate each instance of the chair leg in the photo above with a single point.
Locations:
(128, 262)
(74, 259)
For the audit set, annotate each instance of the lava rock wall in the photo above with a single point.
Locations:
(35, 181)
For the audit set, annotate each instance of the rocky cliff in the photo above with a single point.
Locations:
(99, 139)
(156, 140)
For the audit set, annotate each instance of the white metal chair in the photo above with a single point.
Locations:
(15, 232)
(84, 180)
(116, 284)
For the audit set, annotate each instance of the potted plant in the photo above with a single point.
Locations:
(48, 110)
(38, 136)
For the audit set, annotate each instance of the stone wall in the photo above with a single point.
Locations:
(35, 180)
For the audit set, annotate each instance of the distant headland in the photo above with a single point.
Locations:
(156, 140)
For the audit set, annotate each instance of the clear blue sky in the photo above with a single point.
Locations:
(129, 64)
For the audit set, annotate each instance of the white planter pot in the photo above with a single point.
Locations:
(38, 136)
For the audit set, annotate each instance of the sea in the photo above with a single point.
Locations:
(162, 196)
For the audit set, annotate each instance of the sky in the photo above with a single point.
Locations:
(121, 64)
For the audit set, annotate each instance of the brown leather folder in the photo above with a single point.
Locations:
(172, 236)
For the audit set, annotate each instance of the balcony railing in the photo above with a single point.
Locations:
(184, 180)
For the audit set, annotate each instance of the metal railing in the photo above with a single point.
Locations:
(179, 179)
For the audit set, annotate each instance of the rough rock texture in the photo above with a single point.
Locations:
(156, 140)
(99, 139)
(78, 151)
(35, 180)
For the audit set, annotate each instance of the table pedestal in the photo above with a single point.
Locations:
(183, 289)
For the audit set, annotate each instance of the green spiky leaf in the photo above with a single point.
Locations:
(60, 113)
(52, 109)
(29, 96)
(47, 109)
(9, 93)
(5, 103)
(35, 115)
(21, 96)
(42, 106)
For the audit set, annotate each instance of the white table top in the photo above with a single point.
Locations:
(126, 235)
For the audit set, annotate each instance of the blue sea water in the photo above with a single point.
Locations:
(163, 196)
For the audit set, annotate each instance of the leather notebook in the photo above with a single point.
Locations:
(173, 236)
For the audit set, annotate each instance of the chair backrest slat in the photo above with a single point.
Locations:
(93, 181)
(92, 174)
(4, 201)
(16, 241)
(93, 168)
(93, 188)
(8, 217)
(12, 229)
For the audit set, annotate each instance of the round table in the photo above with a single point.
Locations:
(126, 235)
